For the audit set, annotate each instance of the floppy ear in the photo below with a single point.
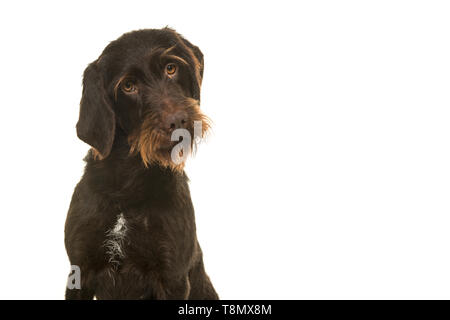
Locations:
(96, 125)
(198, 55)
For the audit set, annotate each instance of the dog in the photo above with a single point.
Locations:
(130, 228)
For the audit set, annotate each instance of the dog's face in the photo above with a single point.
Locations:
(145, 85)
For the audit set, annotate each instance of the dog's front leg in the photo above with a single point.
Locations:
(201, 286)
(81, 288)
(174, 289)
(79, 294)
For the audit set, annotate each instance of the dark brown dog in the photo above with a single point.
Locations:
(130, 228)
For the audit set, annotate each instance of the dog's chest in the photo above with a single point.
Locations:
(115, 241)
(149, 242)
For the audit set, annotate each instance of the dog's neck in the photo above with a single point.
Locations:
(124, 178)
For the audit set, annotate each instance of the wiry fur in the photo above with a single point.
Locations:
(114, 242)
(131, 226)
(148, 138)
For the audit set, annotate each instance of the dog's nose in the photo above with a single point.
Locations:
(176, 120)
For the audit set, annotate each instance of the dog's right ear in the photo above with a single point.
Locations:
(96, 125)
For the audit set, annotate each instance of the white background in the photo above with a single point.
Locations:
(328, 171)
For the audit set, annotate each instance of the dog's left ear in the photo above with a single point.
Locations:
(199, 72)
(199, 55)
(97, 124)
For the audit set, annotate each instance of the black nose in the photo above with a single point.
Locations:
(176, 120)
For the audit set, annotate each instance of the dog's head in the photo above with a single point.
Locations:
(145, 85)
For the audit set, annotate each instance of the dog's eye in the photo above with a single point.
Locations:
(128, 86)
(171, 69)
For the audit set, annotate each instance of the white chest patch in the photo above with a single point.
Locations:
(115, 239)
